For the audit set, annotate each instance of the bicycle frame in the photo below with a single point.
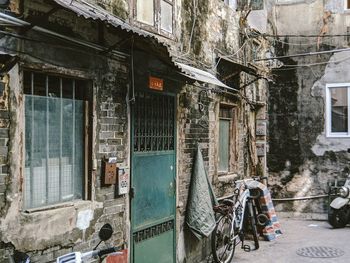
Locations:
(239, 207)
(233, 223)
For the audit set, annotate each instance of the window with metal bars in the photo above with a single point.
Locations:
(153, 122)
(54, 138)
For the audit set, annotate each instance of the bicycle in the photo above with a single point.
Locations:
(235, 216)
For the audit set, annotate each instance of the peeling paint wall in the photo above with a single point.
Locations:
(302, 159)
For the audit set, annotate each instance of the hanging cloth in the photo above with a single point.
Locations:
(200, 215)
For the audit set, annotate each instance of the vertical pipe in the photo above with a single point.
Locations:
(32, 144)
(47, 138)
(60, 161)
(73, 142)
(348, 91)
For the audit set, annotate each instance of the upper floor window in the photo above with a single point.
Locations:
(347, 4)
(157, 15)
(253, 4)
(55, 139)
(230, 3)
(337, 110)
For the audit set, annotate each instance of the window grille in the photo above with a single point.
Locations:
(54, 139)
(153, 122)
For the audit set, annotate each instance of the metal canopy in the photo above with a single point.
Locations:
(246, 69)
(90, 11)
(201, 75)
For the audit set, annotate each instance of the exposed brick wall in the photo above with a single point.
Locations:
(4, 135)
(111, 132)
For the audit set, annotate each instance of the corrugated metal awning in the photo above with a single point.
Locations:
(247, 69)
(90, 11)
(201, 75)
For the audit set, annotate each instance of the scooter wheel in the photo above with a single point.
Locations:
(338, 218)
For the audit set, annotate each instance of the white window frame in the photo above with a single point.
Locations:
(329, 132)
(156, 27)
(231, 3)
(346, 5)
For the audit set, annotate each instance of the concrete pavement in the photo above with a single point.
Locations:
(298, 234)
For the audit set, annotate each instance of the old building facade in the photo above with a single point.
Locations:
(90, 85)
(308, 104)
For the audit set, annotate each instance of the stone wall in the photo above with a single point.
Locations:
(4, 135)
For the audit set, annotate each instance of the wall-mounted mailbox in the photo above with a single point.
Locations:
(109, 172)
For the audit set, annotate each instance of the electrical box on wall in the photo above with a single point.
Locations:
(109, 171)
(123, 181)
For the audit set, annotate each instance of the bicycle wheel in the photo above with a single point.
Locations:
(252, 223)
(222, 245)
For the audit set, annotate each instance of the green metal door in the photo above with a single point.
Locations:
(153, 179)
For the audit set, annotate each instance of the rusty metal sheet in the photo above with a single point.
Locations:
(90, 11)
(201, 75)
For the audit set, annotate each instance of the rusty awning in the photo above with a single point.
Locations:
(201, 75)
(95, 12)
(247, 69)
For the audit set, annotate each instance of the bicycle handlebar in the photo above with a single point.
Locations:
(100, 253)
(106, 251)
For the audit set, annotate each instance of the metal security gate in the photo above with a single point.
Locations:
(153, 178)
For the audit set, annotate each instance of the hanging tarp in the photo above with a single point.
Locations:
(200, 215)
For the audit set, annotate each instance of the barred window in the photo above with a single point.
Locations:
(55, 109)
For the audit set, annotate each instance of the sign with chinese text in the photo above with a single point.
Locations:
(155, 83)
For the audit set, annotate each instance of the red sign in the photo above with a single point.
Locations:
(155, 83)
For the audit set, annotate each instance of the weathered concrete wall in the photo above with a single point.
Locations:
(301, 158)
(72, 226)
(215, 31)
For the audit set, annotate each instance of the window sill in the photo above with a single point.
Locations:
(76, 204)
(338, 136)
